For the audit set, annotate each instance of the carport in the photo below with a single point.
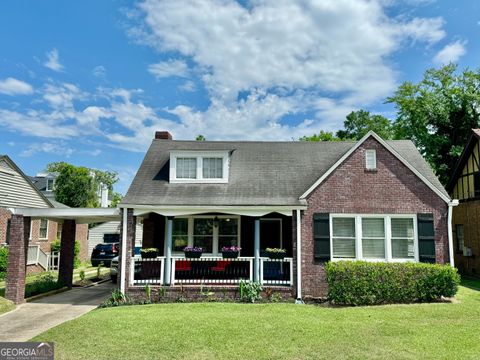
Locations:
(19, 238)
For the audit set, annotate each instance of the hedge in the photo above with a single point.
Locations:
(369, 283)
(3, 262)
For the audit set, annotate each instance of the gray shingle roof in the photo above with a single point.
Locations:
(261, 173)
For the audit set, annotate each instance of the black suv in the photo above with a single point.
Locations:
(104, 253)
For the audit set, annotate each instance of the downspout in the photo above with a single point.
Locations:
(299, 258)
(124, 251)
(451, 204)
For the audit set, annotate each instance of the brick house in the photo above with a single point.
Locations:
(371, 200)
(45, 183)
(464, 185)
(18, 191)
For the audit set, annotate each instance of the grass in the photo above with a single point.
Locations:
(90, 273)
(274, 331)
(5, 305)
(471, 283)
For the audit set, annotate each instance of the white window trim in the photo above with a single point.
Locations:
(388, 237)
(216, 250)
(199, 155)
(374, 152)
(46, 185)
(48, 225)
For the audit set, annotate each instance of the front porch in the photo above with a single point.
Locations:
(211, 231)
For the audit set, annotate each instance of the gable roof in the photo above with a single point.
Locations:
(471, 142)
(261, 173)
(8, 165)
(409, 156)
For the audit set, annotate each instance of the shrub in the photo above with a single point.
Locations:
(367, 283)
(55, 247)
(44, 283)
(117, 299)
(250, 291)
(3, 259)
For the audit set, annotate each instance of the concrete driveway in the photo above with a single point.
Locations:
(33, 318)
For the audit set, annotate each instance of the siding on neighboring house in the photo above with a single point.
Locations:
(351, 189)
(16, 191)
(112, 227)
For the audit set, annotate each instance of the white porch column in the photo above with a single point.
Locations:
(450, 231)
(256, 267)
(299, 257)
(168, 253)
(123, 258)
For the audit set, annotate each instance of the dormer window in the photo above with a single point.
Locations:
(50, 183)
(199, 167)
(370, 159)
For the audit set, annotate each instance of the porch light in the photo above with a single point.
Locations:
(215, 221)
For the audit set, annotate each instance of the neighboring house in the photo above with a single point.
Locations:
(465, 186)
(109, 232)
(370, 200)
(46, 231)
(17, 191)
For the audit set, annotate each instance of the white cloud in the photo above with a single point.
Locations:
(12, 86)
(99, 71)
(451, 52)
(58, 148)
(53, 61)
(283, 55)
(188, 86)
(168, 68)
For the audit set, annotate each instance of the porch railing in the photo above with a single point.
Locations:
(147, 271)
(32, 254)
(211, 270)
(276, 271)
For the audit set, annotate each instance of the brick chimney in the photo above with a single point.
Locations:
(165, 135)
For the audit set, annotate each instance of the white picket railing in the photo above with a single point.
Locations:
(147, 271)
(276, 271)
(211, 270)
(36, 256)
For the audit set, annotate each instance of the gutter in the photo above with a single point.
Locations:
(451, 204)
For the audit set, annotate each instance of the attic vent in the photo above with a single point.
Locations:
(165, 135)
(370, 159)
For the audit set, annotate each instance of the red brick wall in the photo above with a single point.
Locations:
(391, 189)
(4, 217)
(81, 235)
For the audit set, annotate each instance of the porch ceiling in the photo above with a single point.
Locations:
(80, 215)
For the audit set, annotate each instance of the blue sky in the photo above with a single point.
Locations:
(89, 82)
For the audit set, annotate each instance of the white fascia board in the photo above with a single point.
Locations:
(391, 150)
(69, 213)
(174, 210)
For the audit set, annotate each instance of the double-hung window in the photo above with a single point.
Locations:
(374, 237)
(211, 233)
(186, 168)
(402, 239)
(43, 231)
(343, 237)
(199, 167)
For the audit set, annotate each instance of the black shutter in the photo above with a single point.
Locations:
(321, 237)
(426, 238)
(7, 235)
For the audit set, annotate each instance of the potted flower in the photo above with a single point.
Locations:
(149, 253)
(193, 252)
(230, 252)
(275, 253)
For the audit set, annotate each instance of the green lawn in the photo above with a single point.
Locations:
(5, 305)
(274, 331)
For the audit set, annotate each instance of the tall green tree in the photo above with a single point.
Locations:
(78, 186)
(360, 122)
(437, 114)
(200, 138)
(321, 136)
